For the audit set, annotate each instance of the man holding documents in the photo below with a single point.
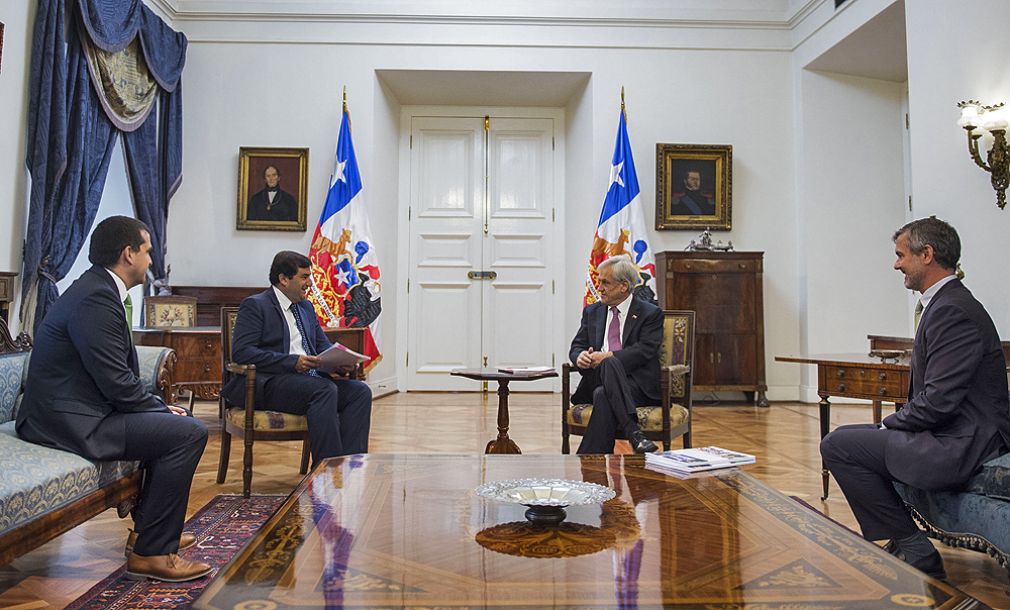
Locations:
(277, 330)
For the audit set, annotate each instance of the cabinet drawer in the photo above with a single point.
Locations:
(707, 265)
(197, 346)
(840, 380)
(198, 369)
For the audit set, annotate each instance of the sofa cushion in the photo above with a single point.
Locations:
(994, 480)
(35, 479)
(12, 370)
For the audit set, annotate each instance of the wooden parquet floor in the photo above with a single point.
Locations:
(784, 438)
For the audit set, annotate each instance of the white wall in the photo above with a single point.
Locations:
(17, 18)
(946, 64)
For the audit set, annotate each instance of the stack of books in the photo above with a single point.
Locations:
(699, 459)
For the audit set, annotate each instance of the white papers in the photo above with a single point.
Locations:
(337, 357)
(527, 370)
(698, 459)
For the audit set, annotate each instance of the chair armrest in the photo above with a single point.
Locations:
(157, 369)
(241, 369)
(676, 370)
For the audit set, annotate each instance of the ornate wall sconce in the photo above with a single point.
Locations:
(989, 124)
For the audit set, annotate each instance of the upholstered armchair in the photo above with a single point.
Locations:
(660, 423)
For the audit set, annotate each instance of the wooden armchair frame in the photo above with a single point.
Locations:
(246, 431)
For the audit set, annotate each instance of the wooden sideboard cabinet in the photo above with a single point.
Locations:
(725, 291)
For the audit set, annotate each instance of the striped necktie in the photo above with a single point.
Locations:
(305, 340)
(918, 315)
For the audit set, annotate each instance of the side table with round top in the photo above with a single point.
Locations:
(503, 444)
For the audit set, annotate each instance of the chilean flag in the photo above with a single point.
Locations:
(345, 270)
(621, 230)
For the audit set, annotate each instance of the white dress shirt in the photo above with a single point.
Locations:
(296, 337)
(932, 290)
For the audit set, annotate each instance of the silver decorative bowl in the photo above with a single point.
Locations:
(546, 498)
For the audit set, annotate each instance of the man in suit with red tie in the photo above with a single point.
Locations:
(277, 330)
(84, 396)
(617, 352)
(956, 417)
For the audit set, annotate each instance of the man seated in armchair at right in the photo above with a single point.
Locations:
(617, 352)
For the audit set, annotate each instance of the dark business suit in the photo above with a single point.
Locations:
(338, 411)
(84, 395)
(629, 379)
(956, 418)
(284, 206)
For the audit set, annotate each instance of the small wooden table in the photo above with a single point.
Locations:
(856, 376)
(502, 444)
(407, 531)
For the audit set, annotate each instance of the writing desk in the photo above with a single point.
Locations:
(856, 376)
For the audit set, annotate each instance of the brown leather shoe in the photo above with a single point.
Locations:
(168, 568)
(185, 541)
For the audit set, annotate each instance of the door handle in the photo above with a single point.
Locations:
(482, 275)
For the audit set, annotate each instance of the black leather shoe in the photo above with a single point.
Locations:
(931, 564)
(641, 444)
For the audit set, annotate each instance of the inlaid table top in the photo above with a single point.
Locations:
(381, 531)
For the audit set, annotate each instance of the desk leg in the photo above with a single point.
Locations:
(825, 408)
(503, 444)
(876, 411)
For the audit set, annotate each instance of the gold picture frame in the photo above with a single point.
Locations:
(694, 186)
(169, 312)
(273, 189)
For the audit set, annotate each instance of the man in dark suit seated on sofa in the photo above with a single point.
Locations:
(956, 415)
(83, 395)
(617, 352)
(277, 330)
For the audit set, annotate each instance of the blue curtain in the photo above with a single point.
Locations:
(70, 138)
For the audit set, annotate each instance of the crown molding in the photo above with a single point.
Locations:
(775, 14)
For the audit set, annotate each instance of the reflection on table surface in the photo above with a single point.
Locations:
(406, 530)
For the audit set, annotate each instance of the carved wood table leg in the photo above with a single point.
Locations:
(503, 444)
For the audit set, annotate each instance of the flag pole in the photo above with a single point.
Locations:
(623, 111)
(345, 109)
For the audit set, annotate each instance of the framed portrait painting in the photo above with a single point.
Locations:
(273, 186)
(694, 186)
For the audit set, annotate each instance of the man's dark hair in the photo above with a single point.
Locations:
(112, 235)
(288, 263)
(936, 233)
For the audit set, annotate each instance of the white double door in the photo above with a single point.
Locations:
(481, 286)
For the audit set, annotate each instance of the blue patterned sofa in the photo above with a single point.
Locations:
(46, 492)
(976, 518)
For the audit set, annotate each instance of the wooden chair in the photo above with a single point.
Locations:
(249, 423)
(660, 423)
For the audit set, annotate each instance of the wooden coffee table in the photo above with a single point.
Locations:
(381, 531)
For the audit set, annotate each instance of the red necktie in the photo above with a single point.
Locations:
(614, 332)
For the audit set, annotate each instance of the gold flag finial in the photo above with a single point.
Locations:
(622, 105)
(345, 98)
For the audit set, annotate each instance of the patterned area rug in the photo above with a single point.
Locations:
(221, 528)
